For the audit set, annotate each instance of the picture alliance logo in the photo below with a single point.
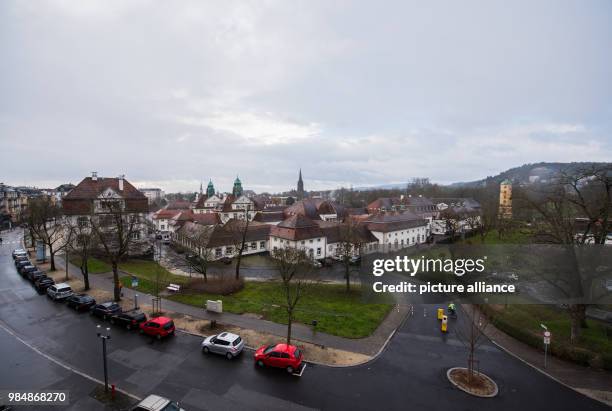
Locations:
(413, 266)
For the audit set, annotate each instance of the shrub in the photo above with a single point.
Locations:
(606, 361)
(221, 286)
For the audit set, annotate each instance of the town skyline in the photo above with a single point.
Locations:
(170, 95)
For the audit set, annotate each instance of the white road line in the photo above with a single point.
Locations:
(60, 363)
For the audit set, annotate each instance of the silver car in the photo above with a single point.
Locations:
(227, 344)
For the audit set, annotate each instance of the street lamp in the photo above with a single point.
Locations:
(104, 337)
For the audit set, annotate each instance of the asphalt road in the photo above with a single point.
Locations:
(409, 374)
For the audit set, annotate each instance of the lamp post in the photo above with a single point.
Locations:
(104, 337)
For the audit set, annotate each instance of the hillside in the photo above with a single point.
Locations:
(528, 173)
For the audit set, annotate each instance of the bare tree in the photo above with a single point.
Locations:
(294, 267)
(350, 242)
(239, 229)
(47, 223)
(115, 230)
(197, 237)
(82, 242)
(571, 213)
(470, 333)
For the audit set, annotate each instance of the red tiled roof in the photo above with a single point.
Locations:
(80, 199)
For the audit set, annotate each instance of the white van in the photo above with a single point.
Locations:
(59, 291)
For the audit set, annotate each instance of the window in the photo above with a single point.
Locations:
(262, 244)
(319, 251)
(253, 246)
(318, 240)
(162, 227)
(217, 252)
(229, 250)
(303, 242)
(310, 241)
(83, 221)
(135, 235)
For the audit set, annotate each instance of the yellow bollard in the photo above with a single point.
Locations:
(444, 324)
(440, 313)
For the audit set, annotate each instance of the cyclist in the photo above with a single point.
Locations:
(451, 308)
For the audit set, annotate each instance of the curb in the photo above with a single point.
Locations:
(555, 379)
(372, 358)
(448, 372)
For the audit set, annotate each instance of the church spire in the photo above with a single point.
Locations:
(300, 187)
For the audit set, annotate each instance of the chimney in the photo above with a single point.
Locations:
(121, 177)
(94, 176)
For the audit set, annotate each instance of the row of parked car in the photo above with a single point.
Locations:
(230, 345)
(158, 327)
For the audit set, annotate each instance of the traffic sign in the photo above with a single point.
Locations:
(547, 336)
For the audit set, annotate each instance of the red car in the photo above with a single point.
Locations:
(158, 327)
(284, 356)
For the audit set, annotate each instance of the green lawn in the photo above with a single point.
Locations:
(337, 312)
(94, 265)
(148, 272)
(515, 236)
(523, 322)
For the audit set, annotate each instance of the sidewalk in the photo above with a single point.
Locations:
(370, 345)
(593, 383)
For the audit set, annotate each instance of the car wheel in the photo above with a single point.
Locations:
(205, 350)
(260, 363)
(141, 331)
(158, 336)
(91, 313)
(290, 370)
(229, 356)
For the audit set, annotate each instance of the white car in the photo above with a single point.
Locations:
(157, 403)
(59, 291)
(227, 344)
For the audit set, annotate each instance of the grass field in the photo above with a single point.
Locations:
(523, 323)
(94, 265)
(336, 312)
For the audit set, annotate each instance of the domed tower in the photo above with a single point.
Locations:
(210, 190)
(237, 190)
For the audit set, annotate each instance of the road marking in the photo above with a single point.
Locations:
(60, 363)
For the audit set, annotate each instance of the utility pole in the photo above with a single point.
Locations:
(104, 337)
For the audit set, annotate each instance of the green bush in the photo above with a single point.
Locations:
(606, 361)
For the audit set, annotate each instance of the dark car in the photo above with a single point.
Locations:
(23, 265)
(80, 302)
(20, 259)
(42, 284)
(105, 310)
(129, 319)
(34, 275)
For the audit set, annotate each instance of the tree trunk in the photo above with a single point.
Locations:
(85, 272)
(347, 275)
(239, 257)
(577, 316)
(117, 289)
(289, 321)
(52, 258)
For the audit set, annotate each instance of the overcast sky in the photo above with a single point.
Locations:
(362, 93)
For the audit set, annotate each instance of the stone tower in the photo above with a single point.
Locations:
(300, 187)
(505, 199)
